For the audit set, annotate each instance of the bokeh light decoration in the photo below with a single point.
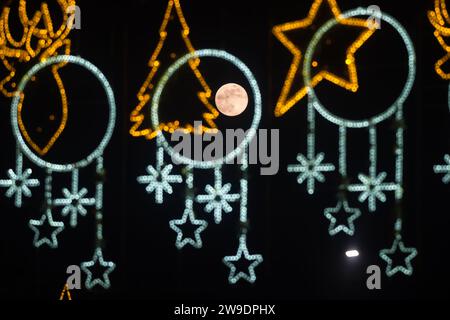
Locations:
(74, 199)
(45, 44)
(218, 196)
(373, 185)
(160, 178)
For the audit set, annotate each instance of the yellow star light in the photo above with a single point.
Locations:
(287, 100)
(439, 18)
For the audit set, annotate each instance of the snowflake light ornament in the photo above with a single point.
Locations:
(19, 182)
(372, 188)
(444, 169)
(74, 201)
(218, 198)
(159, 181)
(311, 170)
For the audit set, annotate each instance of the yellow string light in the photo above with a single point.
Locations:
(444, 11)
(144, 95)
(47, 43)
(440, 17)
(440, 20)
(65, 291)
(286, 101)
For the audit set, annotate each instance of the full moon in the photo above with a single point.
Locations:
(231, 99)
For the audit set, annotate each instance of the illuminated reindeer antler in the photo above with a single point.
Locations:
(440, 20)
(35, 45)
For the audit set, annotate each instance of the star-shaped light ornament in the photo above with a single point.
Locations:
(179, 225)
(74, 202)
(218, 199)
(344, 209)
(242, 254)
(408, 253)
(159, 181)
(91, 280)
(310, 170)
(46, 221)
(19, 183)
(290, 96)
(444, 169)
(372, 188)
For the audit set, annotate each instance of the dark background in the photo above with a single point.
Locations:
(287, 226)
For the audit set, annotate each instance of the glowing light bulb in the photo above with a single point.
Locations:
(352, 253)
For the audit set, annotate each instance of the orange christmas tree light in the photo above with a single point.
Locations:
(139, 115)
(288, 99)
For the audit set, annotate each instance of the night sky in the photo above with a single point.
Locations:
(287, 226)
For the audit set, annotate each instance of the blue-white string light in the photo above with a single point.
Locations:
(387, 255)
(47, 218)
(92, 280)
(19, 181)
(242, 253)
(188, 218)
(253, 260)
(250, 134)
(373, 185)
(159, 181)
(351, 215)
(444, 168)
(74, 200)
(217, 198)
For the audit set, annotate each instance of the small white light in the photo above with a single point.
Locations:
(352, 253)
